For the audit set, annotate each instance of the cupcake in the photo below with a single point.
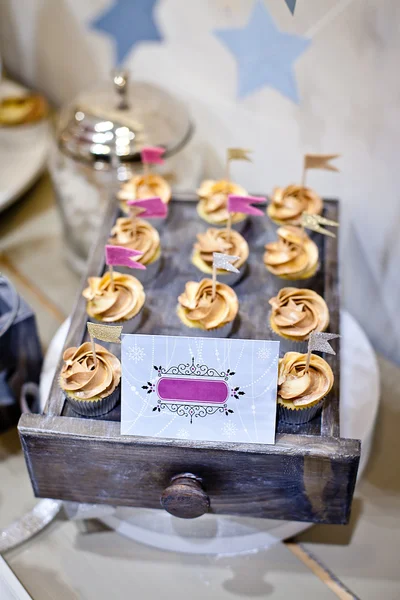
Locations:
(297, 312)
(20, 110)
(147, 185)
(118, 301)
(203, 315)
(138, 235)
(91, 386)
(293, 256)
(220, 240)
(212, 206)
(288, 204)
(301, 394)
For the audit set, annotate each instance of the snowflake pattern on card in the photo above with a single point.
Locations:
(229, 430)
(136, 353)
(263, 353)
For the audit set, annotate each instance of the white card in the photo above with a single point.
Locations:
(199, 388)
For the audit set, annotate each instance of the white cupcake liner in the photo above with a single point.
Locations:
(299, 416)
(218, 332)
(145, 275)
(94, 408)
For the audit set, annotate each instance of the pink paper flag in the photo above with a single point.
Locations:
(153, 208)
(152, 154)
(242, 204)
(117, 255)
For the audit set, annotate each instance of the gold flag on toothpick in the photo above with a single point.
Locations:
(105, 333)
(320, 161)
(238, 154)
(314, 223)
(318, 340)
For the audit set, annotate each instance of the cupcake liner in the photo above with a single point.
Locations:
(94, 408)
(300, 415)
(144, 276)
(218, 332)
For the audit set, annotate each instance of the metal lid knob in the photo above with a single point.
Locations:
(121, 79)
(185, 497)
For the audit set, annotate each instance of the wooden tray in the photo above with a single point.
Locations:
(308, 475)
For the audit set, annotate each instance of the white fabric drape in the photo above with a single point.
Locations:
(350, 95)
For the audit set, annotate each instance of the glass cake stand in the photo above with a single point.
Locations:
(226, 534)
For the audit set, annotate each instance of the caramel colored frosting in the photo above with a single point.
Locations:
(110, 305)
(144, 186)
(221, 240)
(198, 309)
(298, 389)
(83, 379)
(297, 312)
(140, 236)
(293, 256)
(214, 198)
(288, 204)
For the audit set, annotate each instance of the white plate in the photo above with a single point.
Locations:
(23, 152)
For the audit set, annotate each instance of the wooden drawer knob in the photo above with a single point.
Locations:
(185, 498)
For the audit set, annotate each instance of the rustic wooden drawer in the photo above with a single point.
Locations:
(308, 475)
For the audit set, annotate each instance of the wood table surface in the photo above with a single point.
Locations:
(64, 563)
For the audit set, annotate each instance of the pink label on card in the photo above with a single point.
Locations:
(170, 389)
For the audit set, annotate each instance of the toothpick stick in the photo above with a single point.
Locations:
(229, 225)
(214, 282)
(94, 351)
(308, 357)
(303, 178)
(111, 271)
(146, 169)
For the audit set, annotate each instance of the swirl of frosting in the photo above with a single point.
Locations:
(214, 199)
(293, 256)
(221, 240)
(144, 186)
(139, 235)
(288, 204)
(109, 301)
(85, 380)
(198, 309)
(296, 388)
(297, 312)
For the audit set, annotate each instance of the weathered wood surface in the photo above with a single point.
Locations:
(254, 291)
(304, 478)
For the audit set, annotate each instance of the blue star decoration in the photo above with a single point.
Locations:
(264, 55)
(291, 4)
(128, 22)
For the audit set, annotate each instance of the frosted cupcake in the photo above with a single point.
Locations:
(91, 386)
(203, 315)
(297, 312)
(115, 302)
(138, 235)
(213, 204)
(147, 185)
(220, 240)
(293, 256)
(288, 204)
(301, 394)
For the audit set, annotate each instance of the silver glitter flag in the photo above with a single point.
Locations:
(314, 223)
(319, 341)
(224, 261)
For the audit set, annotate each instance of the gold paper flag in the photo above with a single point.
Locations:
(314, 223)
(320, 161)
(238, 154)
(105, 333)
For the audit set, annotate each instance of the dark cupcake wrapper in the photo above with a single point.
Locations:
(144, 275)
(94, 408)
(299, 416)
(128, 325)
